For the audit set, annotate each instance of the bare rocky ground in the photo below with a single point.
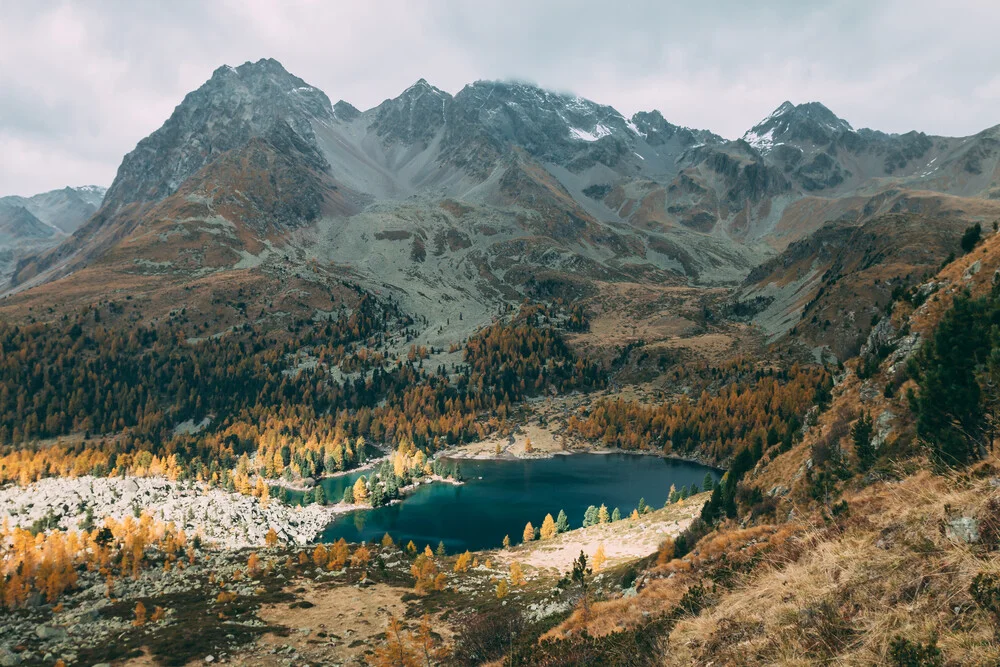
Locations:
(230, 520)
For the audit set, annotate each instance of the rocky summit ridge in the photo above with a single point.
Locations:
(493, 193)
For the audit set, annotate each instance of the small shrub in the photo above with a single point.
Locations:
(989, 524)
(905, 653)
(971, 237)
(488, 636)
(985, 590)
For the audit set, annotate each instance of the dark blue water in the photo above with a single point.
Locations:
(479, 513)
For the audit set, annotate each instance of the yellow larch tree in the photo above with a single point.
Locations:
(599, 557)
(548, 527)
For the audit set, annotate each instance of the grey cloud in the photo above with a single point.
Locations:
(82, 82)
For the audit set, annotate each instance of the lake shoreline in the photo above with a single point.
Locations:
(293, 486)
(459, 455)
(504, 493)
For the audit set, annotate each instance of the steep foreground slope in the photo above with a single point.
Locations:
(839, 554)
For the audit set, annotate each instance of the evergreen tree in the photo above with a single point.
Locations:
(590, 516)
(319, 495)
(377, 494)
(971, 237)
(616, 515)
(861, 433)
(709, 482)
(579, 574)
(643, 507)
(440, 551)
(949, 407)
(683, 493)
(562, 522)
(349, 495)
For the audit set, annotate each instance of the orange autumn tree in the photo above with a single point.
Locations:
(49, 562)
(338, 555)
(426, 575)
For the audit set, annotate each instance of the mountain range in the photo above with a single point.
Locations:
(32, 224)
(455, 204)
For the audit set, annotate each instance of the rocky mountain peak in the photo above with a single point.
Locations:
(234, 105)
(810, 123)
(657, 131)
(415, 116)
(18, 224)
(345, 111)
(548, 125)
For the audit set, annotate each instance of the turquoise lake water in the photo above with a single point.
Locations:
(500, 496)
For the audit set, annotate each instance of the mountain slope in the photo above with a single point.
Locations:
(457, 203)
(18, 225)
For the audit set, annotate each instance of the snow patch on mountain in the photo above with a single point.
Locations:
(763, 143)
(600, 130)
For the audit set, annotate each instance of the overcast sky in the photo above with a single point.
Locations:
(82, 82)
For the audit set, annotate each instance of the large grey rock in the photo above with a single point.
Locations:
(49, 632)
(8, 658)
(963, 529)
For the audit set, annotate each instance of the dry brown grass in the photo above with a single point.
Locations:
(800, 593)
(887, 571)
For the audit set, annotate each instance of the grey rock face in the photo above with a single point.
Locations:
(237, 104)
(17, 224)
(963, 529)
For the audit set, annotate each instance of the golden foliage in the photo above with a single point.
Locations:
(516, 574)
(361, 556)
(462, 562)
(426, 575)
(548, 527)
(599, 558)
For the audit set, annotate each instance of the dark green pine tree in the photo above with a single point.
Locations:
(709, 482)
(319, 495)
(562, 522)
(950, 412)
(861, 433)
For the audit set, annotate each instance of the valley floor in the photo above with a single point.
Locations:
(291, 611)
